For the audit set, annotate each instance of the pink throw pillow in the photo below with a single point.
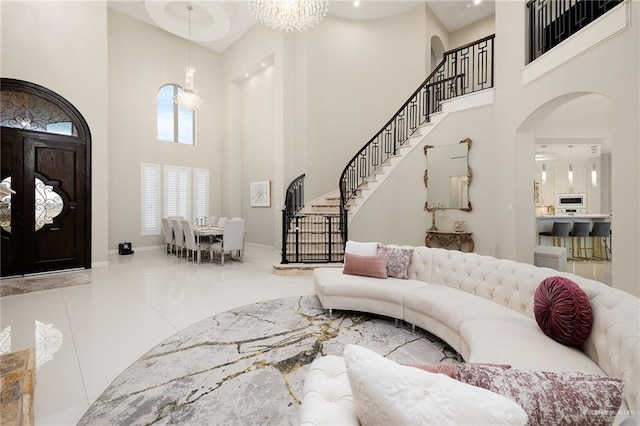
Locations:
(549, 398)
(563, 311)
(368, 266)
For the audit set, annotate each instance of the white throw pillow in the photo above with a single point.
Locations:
(387, 393)
(361, 249)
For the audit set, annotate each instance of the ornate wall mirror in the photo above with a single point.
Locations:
(448, 176)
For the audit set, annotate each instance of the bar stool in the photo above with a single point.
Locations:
(580, 232)
(601, 232)
(558, 230)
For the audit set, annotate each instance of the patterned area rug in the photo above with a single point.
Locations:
(247, 366)
(22, 285)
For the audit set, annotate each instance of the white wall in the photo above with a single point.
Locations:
(610, 69)
(257, 97)
(473, 32)
(258, 44)
(358, 74)
(63, 47)
(395, 212)
(137, 70)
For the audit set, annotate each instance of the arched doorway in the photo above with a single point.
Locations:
(45, 159)
(437, 51)
(569, 132)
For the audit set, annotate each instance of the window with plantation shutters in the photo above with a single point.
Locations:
(200, 193)
(150, 199)
(177, 191)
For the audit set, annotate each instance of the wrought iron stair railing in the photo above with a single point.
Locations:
(553, 21)
(308, 237)
(463, 70)
(293, 203)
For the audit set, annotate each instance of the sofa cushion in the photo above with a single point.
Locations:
(523, 345)
(368, 266)
(453, 307)
(570, 398)
(332, 282)
(356, 293)
(563, 311)
(326, 395)
(360, 248)
(397, 260)
(387, 393)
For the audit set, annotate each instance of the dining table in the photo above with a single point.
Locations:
(206, 231)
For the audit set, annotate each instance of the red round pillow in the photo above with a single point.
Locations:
(563, 311)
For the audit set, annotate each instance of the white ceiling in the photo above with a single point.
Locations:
(217, 24)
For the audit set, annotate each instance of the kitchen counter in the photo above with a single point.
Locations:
(544, 223)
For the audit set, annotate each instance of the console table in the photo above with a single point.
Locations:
(448, 238)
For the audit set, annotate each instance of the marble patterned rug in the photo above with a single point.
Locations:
(22, 285)
(247, 366)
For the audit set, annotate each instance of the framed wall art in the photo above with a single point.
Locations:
(260, 193)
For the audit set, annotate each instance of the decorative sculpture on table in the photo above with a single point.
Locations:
(433, 209)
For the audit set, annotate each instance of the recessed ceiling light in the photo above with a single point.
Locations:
(356, 3)
(262, 64)
(477, 2)
(246, 74)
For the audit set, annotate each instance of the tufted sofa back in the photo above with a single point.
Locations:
(614, 343)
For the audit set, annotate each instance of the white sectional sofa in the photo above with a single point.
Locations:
(483, 308)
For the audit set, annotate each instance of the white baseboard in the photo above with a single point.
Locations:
(256, 245)
(103, 264)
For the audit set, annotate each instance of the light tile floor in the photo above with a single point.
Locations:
(129, 307)
(599, 270)
(135, 303)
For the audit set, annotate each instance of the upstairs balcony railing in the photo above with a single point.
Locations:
(553, 21)
(464, 70)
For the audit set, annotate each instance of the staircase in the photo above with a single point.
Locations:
(317, 233)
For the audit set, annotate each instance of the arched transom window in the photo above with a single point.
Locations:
(27, 111)
(175, 124)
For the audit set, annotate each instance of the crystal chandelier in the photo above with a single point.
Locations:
(288, 15)
(188, 98)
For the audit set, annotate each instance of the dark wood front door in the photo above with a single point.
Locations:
(48, 213)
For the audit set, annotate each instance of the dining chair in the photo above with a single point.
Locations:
(178, 235)
(222, 221)
(212, 220)
(232, 240)
(169, 240)
(192, 244)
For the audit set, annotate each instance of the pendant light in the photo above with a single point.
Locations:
(570, 172)
(188, 98)
(543, 175)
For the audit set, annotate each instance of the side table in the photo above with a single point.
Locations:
(447, 238)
